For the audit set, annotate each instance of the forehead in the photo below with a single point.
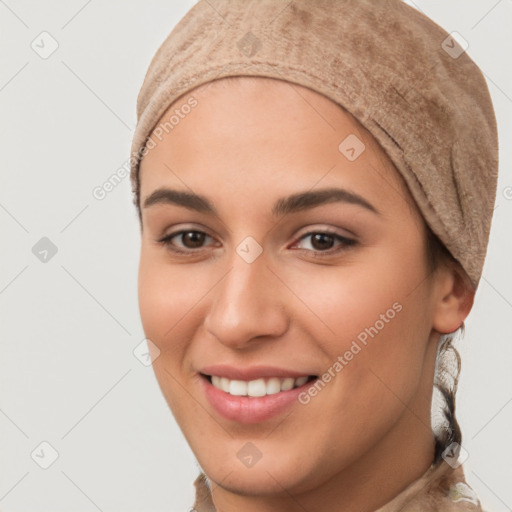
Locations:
(250, 133)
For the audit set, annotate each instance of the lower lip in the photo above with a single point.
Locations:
(245, 409)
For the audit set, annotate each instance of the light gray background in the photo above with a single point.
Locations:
(70, 325)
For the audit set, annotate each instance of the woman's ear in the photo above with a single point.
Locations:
(454, 297)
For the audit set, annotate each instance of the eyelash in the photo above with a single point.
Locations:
(345, 243)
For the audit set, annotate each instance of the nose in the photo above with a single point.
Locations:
(247, 305)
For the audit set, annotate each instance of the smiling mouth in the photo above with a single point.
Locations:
(258, 387)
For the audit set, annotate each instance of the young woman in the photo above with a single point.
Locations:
(315, 183)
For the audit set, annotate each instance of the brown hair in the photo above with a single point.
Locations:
(448, 363)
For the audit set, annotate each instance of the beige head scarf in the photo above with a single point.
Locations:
(405, 79)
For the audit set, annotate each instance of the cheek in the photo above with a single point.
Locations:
(167, 295)
(381, 345)
(348, 300)
(374, 315)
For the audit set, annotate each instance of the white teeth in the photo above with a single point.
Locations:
(238, 387)
(224, 384)
(287, 384)
(257, 387)
(273, 386)
(301, 381)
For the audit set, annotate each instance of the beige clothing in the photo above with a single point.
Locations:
(440, 489)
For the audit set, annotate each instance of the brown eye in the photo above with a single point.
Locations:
(186, 240)
(322, 241)
(192, 239)
(318, 242)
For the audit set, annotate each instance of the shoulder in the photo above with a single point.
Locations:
(441, 488)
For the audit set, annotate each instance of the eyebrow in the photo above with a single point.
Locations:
(294, 203)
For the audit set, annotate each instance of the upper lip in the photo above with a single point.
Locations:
(251, 373)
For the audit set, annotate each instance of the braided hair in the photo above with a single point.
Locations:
(448, 366)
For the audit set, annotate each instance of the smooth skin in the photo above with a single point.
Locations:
(300, 304)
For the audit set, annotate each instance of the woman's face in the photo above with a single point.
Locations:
(302, 257)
